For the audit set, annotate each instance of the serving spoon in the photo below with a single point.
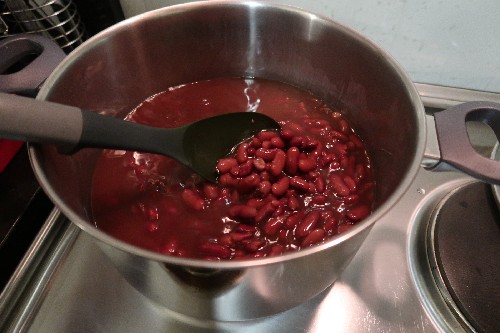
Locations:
(198, 145)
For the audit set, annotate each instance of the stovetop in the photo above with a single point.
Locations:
(66, 284)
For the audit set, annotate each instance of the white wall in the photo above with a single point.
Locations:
(447, 42)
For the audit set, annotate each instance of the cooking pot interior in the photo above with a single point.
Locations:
(117, 69)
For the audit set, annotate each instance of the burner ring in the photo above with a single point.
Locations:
(462, 242)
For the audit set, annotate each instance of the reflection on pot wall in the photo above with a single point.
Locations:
(450, 43)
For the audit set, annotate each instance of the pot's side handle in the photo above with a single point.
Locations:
(454, 144)
(16, 50)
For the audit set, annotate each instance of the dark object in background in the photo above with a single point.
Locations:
(98, 15)
(23, 210)
(67, 22)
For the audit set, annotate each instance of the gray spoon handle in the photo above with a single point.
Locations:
(23, 118)
(71, 128)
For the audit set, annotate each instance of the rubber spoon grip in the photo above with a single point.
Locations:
(27, 119)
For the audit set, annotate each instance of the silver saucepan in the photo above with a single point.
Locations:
(117, 69)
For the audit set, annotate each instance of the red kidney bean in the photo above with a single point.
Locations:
(293, 203)
(224, 165)
(319, 199)
(253, 245)
(235, 196)
(243, 211)
(296, 141)
(249, 183)
(326, 214)
(276, 249)
(266, 154)
(320, 185)
(228, 180)
(216, 250)
(235, 171)
(153, 214)
(278, 163)
(279, 210)
(308, 223)
(211, 191)
(266, 144)
(337, 135)
(316, 153)
(241, 152)
(293, 220)
(245, 228)
(193, 199)
(266, 135)
(259, 164)
(348, 164)
(227, 240)
(277, 142)
(245, 168)
(292, 160)
(307, 164)
(264, 175)
(320, 123)
(238, 236)
(350, 199)
(313, 237)
(312, 176)
(283, 236)
(339, 149)
(325, 159)
(356, 141)
(286, 134)
(350, 183)
(264, 212)
(299, 183)
(330, 224)
(359, 173)
(293, 127)
(358, 213)
(152, 226)
(344, 126)
(255, 143)
(273, 225)
(338, 185)
(281, 186)
(265, 187)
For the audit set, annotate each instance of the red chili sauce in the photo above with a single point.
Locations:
(277, 192)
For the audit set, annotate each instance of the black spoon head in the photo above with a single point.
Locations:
(210, 139)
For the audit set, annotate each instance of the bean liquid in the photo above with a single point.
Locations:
(277, 191)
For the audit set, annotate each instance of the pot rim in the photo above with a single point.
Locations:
(36, 155)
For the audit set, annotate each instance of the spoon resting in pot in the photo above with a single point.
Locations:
(198, 145)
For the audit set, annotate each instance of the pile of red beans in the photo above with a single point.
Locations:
(290, 189)
(277, 191)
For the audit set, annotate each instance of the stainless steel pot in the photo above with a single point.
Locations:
(117, 69)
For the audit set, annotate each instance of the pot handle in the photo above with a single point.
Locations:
(454, 144)
(16, 50)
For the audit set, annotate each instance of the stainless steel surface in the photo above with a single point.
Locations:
(496, 189)
(443, 97)
(236, 39)
(388, 286)
(374, 294)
